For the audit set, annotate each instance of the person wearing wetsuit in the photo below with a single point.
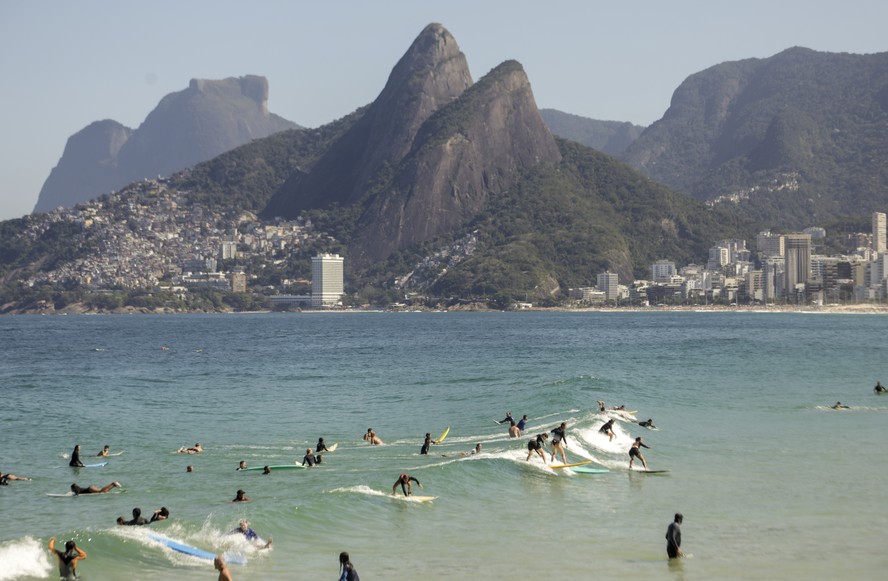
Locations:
(559, 441)
(879, 388)
(508, 418)
(426, 444)
(243, 528)
(522, 423)
(635, 452)
(321, 447)
(75, 458)
(404, 480)
(309, 458)
(608, 429)
(673, 537)
(647, 424)
(161, 513)
(7, 478)
(347, 571)
(137, 520)
(68, 559)
(93, 489)
(536, 445)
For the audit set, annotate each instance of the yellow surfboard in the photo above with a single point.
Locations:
(443, 435)
(570, 465)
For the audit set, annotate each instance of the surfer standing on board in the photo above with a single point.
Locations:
(635, 452)
(608, 429)
(559, 441)
(404, 480)
(536, 445)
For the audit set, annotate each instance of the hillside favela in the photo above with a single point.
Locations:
(296, 292)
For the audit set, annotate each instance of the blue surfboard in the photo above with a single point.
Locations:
(195, 552)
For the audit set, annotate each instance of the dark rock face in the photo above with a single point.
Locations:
(206, 119)
(431, 74)
(611, 137)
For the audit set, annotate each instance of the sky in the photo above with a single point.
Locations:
(66, 64)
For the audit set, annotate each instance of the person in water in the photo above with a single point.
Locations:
(371, 437)
(194, 450)
(243, 528)
(635, 452)
(347, 571)
(879, 388)
(536, 445)
(240, 496)
(426, 444)
(608, 429)
(522, 423)
(160, 514)
(7, 478)
(840, 406)
(104, 451)
(321, 447)
(514, 432)
(93, 489)
(506, 419)
(224, 572)
(559, 441)
(67, 560)
(601, 406)
(137, 520)
(189, 468)
(75, 458)
(673, 537)
(309, 458)
(242, 465)
(475, 450)
(266, 470)
(649, 423)
(404, 480)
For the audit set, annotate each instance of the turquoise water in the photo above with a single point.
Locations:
(772, 483)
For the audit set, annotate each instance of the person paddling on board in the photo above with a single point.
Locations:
(522, 423)
(347, 571)
(7, 478)
(536, 445)
(840, 406)
(673, 537)
(243, 528)
(309, 458)
(194, 450)
(321, 447)
(104, 451)
(75, 458)
(879, 388)
(514, 432)
(68, 559)
(506, 419)
(649, 423)
(475, 450)
(559, 441)
(93, 489)
(608, 429)
(404, 480)
(635, 452)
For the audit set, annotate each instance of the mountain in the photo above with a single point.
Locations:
(611, 137)
(187, 127)
(790, 139)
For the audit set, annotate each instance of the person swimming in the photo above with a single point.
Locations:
(243, 528)
(840, 406)
(240, 496)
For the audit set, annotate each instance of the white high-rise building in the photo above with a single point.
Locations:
(879, 244)
(663, 270)
(609, 283)
(327, 286)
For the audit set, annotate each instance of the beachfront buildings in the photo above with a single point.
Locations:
(879, 243)
(327, 283)
(609, 284)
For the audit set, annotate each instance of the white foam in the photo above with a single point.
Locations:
(25, 557)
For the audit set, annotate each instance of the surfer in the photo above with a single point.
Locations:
(189, 468)
(508, 418)
(559, 441)
(635, 452)
(240, 496)
(68, 559)
(522, 423)
(243, 528)
(309, 458)
(536, 445)
(137, 520)
(601, 406)
(346, 569)
(608, 429)
(879, 388)
(7, 478)
(426, 444)
(404, 480)
(840, 406)
(224, 572)
(647, 424)
(371, 437)
(475, 450)
(673, 537)
(194, 450)
(514, 431)
(104, 451)
(161, 513)
(93, 489)
(75, 458)
(242, 465)
(321, 447)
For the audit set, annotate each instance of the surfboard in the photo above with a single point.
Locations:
(98, 465)
(571, 465)
(586, 470)
(414, 497)
(195, 552)
(70, 493)
(274, 467)
(443, 434)
(332, 448)
(651, 471)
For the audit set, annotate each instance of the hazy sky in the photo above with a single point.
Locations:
(66, 64)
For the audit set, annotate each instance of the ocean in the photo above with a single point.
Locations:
(773, 484)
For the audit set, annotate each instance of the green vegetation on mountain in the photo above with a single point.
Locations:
(611, 137)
